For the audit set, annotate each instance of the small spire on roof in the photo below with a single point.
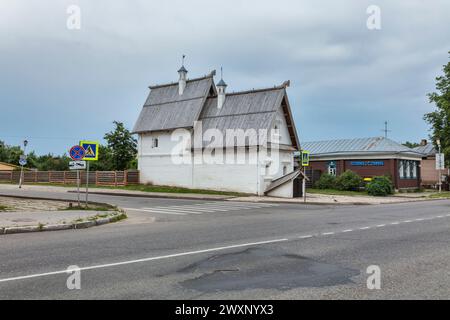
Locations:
(221, 83)
(182, 69)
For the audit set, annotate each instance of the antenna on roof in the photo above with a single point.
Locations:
(386, 129)
(182, 59)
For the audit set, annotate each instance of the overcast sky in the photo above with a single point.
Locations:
(58, 86)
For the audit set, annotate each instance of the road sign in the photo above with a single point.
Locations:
(77, 165)
(22, 161)
(77, 153)
(440, 161)
(91, 150)
(305, 158)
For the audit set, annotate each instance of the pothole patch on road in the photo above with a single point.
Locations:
(260, 268)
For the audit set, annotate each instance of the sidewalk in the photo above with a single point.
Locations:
(335, 199)
(34, 218)
(117, 192)
(310, 198)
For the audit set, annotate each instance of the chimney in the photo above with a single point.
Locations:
(221, 86)
(423, 142)
(182, 80)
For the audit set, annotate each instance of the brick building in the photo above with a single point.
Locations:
(368, 157)
(429, 174)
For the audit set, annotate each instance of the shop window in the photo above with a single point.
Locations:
(401, 172)
(408, 169)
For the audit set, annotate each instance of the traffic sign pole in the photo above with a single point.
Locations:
(78, 187)
(87, 183)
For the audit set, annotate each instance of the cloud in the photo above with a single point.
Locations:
(63, 85)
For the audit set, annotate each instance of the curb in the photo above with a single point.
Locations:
(162, 196)
(56, 227)
(54, 199)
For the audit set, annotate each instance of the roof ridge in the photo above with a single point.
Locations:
(209, 75)
(279, 87)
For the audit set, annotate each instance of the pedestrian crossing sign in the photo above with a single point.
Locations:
(91, 150)
(305, 158)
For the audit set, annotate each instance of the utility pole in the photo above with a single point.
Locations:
(438, 142)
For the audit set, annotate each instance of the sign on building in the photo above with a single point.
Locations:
(440, 161)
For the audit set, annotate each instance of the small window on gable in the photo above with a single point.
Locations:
(284, 170)
(154, 142)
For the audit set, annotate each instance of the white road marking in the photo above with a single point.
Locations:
(395, 222)
(348, 230)
(407, 221)
(419, 219)
(115, 264)
(306, 237)
(327, 233)
(439, 216)
(381, 225)
(364, 228)
(201, 208)
(155, 211)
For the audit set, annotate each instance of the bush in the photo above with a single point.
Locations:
(349, 181)
(326, 181)
(380, 186)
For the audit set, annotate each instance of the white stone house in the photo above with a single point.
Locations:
(219, 136)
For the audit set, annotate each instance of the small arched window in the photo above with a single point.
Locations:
(155, 143)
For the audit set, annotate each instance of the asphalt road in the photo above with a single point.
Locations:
(184, 249)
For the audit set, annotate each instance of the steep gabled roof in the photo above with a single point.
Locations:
(165, 109)
(356, 146)
(254, 109)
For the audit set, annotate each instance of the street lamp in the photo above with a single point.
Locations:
(438, 142)
(25, 142)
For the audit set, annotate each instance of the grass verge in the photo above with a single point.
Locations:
(147, 188)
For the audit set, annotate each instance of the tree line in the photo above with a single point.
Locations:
(119, 153)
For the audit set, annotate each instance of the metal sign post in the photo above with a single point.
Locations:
(78, 187)
(305, 163)
(77, 154)
(91, 154)
(440, 165)
(87, 184)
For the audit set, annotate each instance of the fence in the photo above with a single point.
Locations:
(313, 176)
(105, 178)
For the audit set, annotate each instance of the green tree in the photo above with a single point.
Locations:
(411, 144)
(440, 118)
(10, 154)
(123, 146)
(105, 160)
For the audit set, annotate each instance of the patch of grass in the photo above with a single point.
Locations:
(148, 188)
(337, 192)
(443, 194)
(91, 208)
(3, 208)
(169, 189)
